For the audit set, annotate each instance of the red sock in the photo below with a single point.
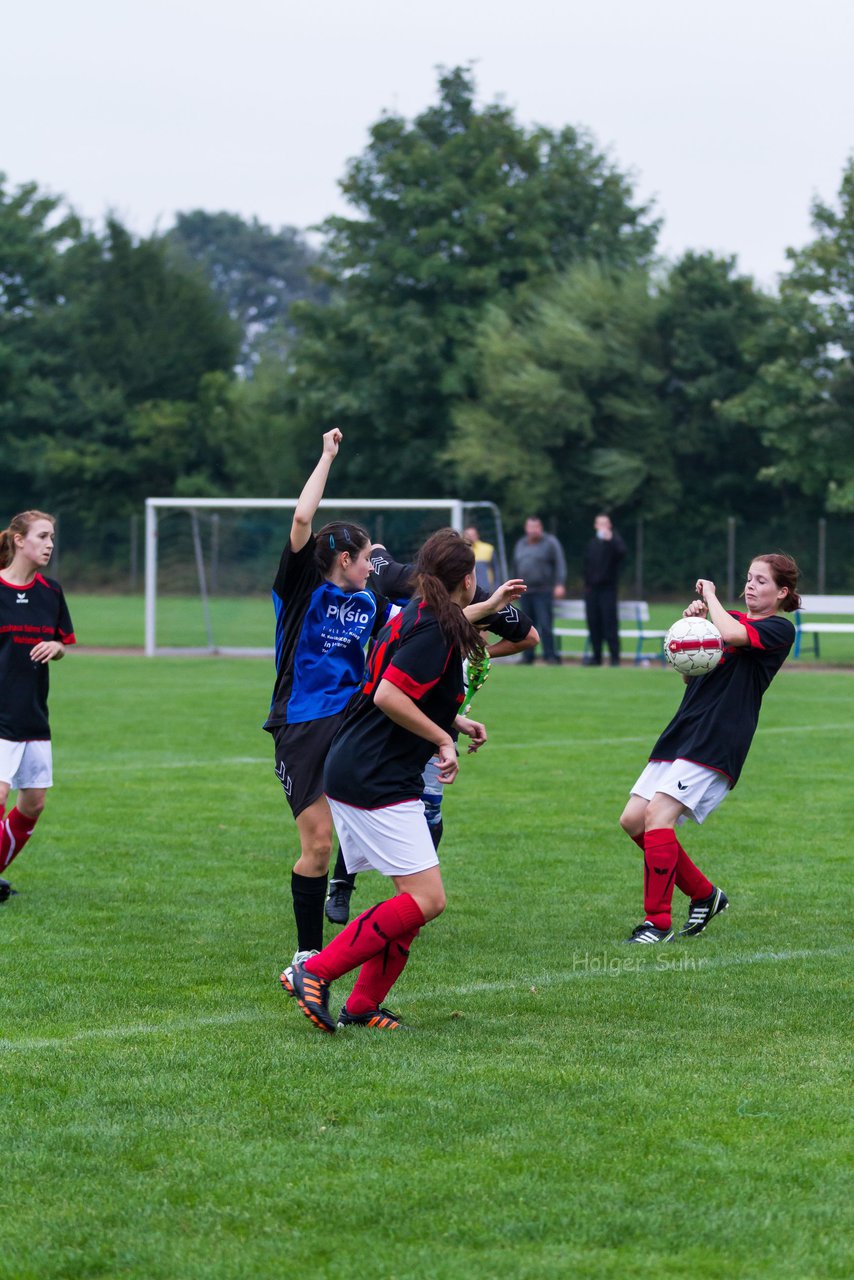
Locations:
(690, 879)
(379, 974)
(639, 842)
(15, 831)
(661, 853)
(367, 935)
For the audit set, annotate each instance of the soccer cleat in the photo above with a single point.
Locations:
(647, 932)
(381, 1019)
(6, 890)
(312, 996)
(285, 977)
(702, 911)
(338, 901)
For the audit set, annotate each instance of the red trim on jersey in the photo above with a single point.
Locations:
(70, 638)
(752, 633)
(406, 684)
(364, 808)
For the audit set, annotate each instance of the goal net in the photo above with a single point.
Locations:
(210, 562)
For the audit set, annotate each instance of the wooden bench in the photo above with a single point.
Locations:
(631, 611)
(825, 605)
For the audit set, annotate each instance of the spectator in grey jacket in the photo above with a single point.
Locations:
(539, 559)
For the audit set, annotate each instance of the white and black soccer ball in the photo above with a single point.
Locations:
(693, 646)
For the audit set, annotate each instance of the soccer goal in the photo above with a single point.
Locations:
(210, 562)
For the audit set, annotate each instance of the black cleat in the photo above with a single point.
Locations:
(702, 911)
(6, 890)
(338, 901)
(285, 975)
(647, 932)
(312, 996)
(382, 1019)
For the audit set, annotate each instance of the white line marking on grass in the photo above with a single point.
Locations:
(530, 744)
(665, 960)
(132, 1031)
(150, 766)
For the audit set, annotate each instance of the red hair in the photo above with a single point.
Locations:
(785, 572)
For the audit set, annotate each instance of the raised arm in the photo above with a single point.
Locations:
(312, 491)
(732, 631)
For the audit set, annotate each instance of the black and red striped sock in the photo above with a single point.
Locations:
(661, 854)
(690, 879)
(379, 974)
(15, 831)
(367, 936)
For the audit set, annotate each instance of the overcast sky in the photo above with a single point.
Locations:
(731, 115)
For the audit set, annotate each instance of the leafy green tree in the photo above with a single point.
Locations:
(712, 321)
(34, 230)
(568, 410)
(112, 401)
(802, 398)
(257, 272)
(461, 208)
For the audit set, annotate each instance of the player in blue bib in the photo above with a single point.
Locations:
(324, 619)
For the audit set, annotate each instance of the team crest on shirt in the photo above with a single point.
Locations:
(349, 612)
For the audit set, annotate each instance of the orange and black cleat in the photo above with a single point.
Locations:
(381, 1019)
(312, 996)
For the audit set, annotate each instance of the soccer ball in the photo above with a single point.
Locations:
(693, 646)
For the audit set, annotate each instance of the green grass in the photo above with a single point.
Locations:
(118, 622)
(558, 1107)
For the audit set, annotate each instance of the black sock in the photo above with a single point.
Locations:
(309, 894)
(436, 829)
(341, 874)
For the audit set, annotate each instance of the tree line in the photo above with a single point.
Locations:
(492, 321)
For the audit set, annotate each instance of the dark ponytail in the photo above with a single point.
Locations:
(335, 537)
(442, 563)
(785, 572)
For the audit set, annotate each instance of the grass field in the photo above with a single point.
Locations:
(557, 1108)
(118, 622)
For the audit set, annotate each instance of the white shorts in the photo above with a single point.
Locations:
(26, 764)
(701, 790)
(394, 840)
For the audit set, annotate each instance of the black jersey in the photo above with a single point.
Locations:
(396, 581)
(717, 717)
(28, 615)
(321, 631)
(374, 762)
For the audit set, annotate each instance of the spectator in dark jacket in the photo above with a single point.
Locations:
(603, 557)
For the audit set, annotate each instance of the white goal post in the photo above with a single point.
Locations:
(454, 508)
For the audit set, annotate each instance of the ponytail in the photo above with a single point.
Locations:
(785, 573)
(19, 524)
(442, 563)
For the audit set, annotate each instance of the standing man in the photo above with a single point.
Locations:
(603, 556)
(539, 559)
(484, 559)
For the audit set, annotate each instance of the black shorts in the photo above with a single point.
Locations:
(301, 751)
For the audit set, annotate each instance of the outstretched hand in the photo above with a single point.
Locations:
(509, 591)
